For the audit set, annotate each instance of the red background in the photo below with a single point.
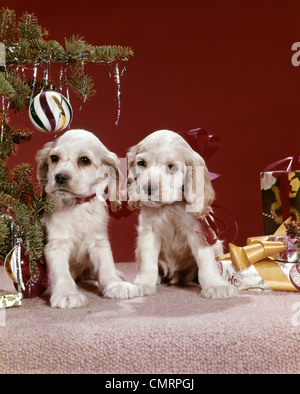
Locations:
(224, 65)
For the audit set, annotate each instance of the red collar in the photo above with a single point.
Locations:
(85, 199)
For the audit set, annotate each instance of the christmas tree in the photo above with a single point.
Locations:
(27, 48)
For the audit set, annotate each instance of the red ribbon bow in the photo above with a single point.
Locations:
(288, 164)
(203, 143)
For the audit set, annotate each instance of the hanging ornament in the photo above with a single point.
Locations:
(31, 284)
(295, 275)
(36, 283)
(50, 112)
(12, 264)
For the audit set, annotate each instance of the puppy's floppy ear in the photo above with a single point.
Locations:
(132, 201)
(198, 191)
(115, 177)
(42, 164)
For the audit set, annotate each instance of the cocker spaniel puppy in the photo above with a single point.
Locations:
(76, 169)
(171, 184)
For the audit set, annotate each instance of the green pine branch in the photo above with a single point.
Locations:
(16, 90)
(21, 207)
(7, 24)
(25, 43)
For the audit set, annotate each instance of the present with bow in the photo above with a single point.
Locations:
(280, 191)
(264, 263)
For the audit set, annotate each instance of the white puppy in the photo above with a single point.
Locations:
(171, 183)
(75, 169)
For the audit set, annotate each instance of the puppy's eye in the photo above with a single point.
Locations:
(172, 168)
(84, 161)
(54, 158)
(141, 163)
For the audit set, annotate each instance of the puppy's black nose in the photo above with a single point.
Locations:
(61, 179)
(150, 189)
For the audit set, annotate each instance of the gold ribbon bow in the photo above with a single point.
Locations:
(254, 251)
(258, 252)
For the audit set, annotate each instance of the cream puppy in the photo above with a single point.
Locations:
(76, 169)
(171, 184)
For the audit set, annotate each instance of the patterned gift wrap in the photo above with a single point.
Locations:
(292, 251)
(249, 279)
(9, 299)
(280, 191)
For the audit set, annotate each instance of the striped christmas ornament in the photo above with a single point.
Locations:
(50, 112)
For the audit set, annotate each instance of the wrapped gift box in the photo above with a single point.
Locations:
(9, 299)
(280, 190)
(265, 263)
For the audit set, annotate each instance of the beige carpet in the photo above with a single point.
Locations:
(174, 331)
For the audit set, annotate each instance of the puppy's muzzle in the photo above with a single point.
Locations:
(150, 189)
(61, 179)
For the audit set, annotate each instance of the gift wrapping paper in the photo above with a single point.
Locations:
(249, 279)
(292, 250)
(9, 299)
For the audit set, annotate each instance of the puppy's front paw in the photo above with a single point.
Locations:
(220, 291)
(145, 289)
(121, 290)
(71, 300)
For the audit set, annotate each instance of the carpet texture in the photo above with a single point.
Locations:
(173, 331)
